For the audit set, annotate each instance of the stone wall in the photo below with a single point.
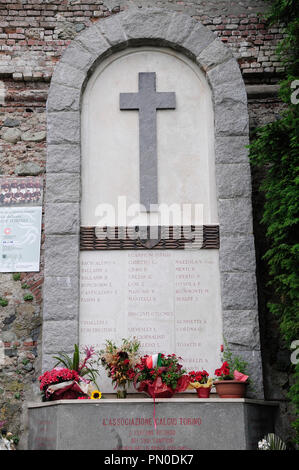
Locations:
(33, 35)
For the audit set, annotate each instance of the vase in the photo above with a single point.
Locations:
(230, 388)
(121, 393)
(203, 392)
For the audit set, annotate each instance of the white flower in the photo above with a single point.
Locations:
(263, 445)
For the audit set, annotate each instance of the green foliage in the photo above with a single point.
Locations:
(84, 368)
(234, 362)
(16, 276)
(3, 302)
(28, 297)
(283, 10)
(275, 149)
(15, 440)
(287, 12)
(272, 442)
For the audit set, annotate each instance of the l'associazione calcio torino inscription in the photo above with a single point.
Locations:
(169, 300)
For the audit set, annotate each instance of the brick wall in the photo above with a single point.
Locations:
(34, 33)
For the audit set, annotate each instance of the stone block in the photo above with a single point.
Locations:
(48, 362)
(237, 254)
(9, 122)
(239, 291)
(63, 158)
(66, 306)
(28, 169)
(63, 127)
(68, 75)
(30, 136)
(230, 99)
(92, 40)
(149, 24)
(77, 56)
(180, 27)
(246, 335)
(233, 91)
(112, 31)
(58, 333)
(233, 180)
(199, 38)
(63, 98)
(11, 135)
(235, 216)
(63, 187)
(231, 149)
(214, 54)
(231, 118)
(62, 218)
(225, 73)
(61, 255)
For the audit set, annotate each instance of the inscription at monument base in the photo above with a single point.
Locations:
(181, 424)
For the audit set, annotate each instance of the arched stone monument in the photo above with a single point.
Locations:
(202, 158)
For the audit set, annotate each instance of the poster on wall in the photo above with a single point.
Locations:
(20, 224)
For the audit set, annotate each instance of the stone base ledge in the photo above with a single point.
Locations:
(142, 424)
(150, 400)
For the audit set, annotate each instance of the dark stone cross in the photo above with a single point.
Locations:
(147, 101)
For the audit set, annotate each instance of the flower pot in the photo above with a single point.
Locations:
(203, 392)
(230, 388)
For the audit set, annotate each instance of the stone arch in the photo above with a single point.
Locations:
(62, 211)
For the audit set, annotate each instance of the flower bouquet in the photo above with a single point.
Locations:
(202, 383)
(161, 376)
(120, 363)
(68, 382)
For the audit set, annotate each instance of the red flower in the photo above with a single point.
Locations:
(199, 376)
(223, 371)
(57, 376)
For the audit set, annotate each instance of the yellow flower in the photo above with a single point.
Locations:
(199, 385)
(96, 395)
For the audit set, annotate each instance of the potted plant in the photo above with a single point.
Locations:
(201, 382)
(160, 376)
(120, 363)
(69, 382)
(231, 376)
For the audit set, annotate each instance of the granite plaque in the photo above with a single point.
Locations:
(169, 300)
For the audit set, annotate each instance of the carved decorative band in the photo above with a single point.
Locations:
(156, 238)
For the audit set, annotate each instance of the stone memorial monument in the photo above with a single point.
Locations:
(148, 219)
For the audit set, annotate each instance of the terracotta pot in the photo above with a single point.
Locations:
(203, 392)
(230, 388)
